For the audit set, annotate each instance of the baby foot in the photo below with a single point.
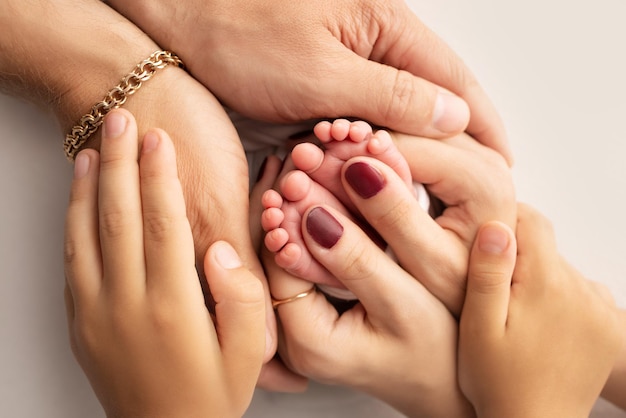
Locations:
(343, 140)
(282, 217)
(282, 222)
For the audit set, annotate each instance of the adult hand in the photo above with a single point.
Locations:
(209, 154)
(289, 61)
(474, 184)
(137, 318)
(535, 336)
(410, 336)
(397, 344)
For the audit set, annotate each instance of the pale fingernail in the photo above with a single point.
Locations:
(451, 113)
(150, 142)
(114, 124)
(226, 256)
(493, 239)
(81, 165)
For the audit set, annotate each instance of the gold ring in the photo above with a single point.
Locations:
(277, 302)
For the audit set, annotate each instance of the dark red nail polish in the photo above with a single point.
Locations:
(323, 227)
(364, 179)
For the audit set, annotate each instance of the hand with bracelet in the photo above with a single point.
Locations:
(100, 47)
(291, 61)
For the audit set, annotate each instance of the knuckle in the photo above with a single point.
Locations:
(112, 159)
(394, 218)
(164, 317)
(86, 336)
(489, 279)
(113, 222)
(158, 225)
(249, 293)
(70, 251)
(529, 217)
(358, 262)
(400, 101)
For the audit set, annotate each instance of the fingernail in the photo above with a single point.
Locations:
(150, 142)
(226, 256)
(493, 239)
(114, 125)
(323, 227)
(81, 165)
(451, 113)
(364, 179)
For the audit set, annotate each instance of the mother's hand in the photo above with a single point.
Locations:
(475, 185)
(398, 344)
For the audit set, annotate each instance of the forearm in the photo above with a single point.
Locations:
(615, 388)
(66, 54)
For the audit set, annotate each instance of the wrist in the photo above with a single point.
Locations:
(152, 17)
(98, 47)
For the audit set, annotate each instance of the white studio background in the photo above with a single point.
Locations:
(553, 68)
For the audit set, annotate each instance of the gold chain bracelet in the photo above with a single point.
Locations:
(115, 98)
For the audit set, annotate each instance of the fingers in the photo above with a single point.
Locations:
(411, 46)
(239, 309)
(397, 99)
(481, 182)
(169, 250)
(119, 200)
(491, 265)
(83, 264)
(384, 288)
(434, 256)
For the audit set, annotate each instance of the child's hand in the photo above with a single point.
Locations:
(540, 344)
(138, 322)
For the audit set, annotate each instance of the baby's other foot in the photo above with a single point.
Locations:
(282, 222)
(343, 140)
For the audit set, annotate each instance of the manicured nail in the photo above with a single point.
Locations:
(451, 113)
(493, 239)
(114, 125)
(365, 179)
(226, 256)
(81, 165)
(323, 227)
(150, 142)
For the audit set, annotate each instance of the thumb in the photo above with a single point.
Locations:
(394, 98)
(491, 265)
(240, 312)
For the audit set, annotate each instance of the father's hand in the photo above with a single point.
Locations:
(286, 61)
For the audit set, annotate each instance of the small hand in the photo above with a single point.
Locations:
(536, 338)
(138, 322)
